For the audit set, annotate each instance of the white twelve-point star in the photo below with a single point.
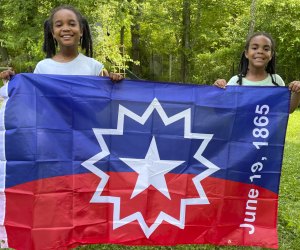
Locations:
(151, 171)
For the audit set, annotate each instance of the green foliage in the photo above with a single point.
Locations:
(218, 30)
(221, 64)
(21, 31)
(285, 28)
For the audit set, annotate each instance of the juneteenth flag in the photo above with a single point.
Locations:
(87, 161)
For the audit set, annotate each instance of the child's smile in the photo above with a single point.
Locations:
(259, 52)
(66, 28)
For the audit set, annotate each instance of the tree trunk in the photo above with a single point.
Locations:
(186, 20)
(3, 55)
(252, 17)
(122, 34)
(135, 40)
(170, 67)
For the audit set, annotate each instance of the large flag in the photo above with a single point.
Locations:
(87, 161)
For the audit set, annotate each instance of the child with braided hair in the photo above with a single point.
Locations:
(257, 67)
(64, 31)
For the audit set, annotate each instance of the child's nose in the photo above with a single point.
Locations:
(66, 27)
(260, 50)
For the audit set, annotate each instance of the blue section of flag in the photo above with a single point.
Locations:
(49, 123)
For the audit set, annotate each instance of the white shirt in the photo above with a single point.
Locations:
(266, 82)
(81, 65)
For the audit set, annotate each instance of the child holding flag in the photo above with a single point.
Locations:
(257, 67)
(66, 29)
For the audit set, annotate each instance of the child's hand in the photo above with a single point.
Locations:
(295, 98)
(221, 83)
(115, 77)
(295, 86)
(6, 74)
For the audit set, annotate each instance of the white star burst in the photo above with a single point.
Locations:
(151, 171)
(90, 165)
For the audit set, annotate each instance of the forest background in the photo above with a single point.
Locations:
(194, 41)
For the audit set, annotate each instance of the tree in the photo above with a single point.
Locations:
(252, 17)
(173, 40)
(284, 27)
(135, 37)
(186, 20)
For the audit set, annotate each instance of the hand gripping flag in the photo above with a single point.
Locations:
(86, 161)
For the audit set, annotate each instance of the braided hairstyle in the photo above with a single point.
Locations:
(50, 44)
(244, 62)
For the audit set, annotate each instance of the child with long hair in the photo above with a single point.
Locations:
(64, 31)
(257, 67)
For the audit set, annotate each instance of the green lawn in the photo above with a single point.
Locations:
(289, 200)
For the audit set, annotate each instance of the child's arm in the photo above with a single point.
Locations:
(221, 83)
(6, 74)
(295, 98)
(115, 77)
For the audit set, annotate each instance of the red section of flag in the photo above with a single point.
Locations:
(57, 213)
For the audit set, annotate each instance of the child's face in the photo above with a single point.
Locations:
(259, 52)
(66, 28)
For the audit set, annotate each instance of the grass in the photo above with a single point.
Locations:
(289, 201)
